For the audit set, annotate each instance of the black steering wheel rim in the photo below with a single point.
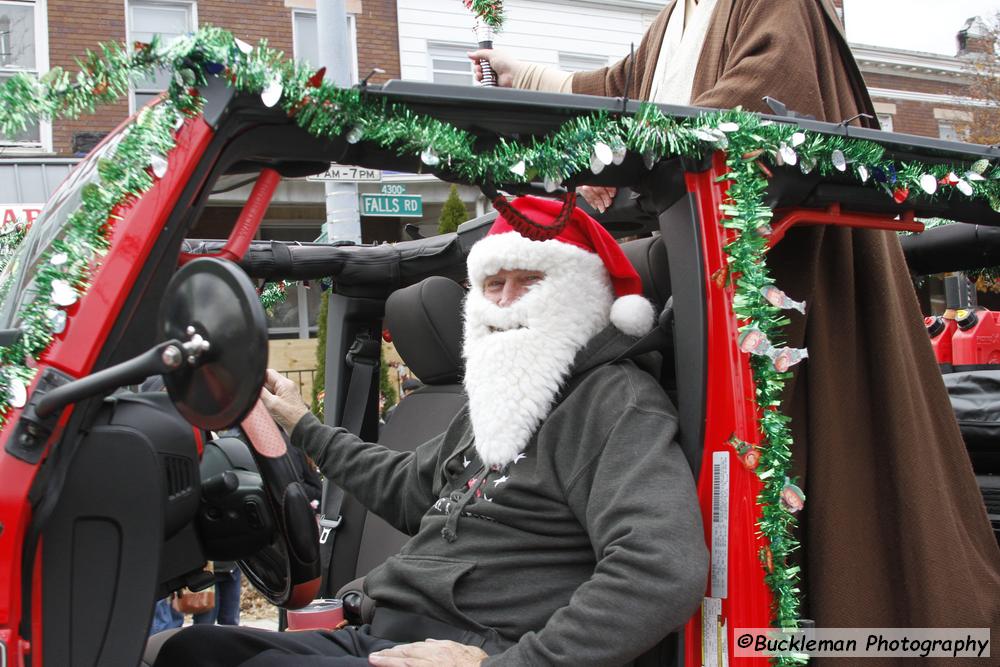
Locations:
(288, 571)
(214, 299)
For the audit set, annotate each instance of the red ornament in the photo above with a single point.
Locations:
(317, 78)
(768, 559)
(386, 336)
(721, 277)
(299, 106)
(951, 179)
(140, 46)
(900, 195)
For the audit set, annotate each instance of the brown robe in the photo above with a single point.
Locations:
(895, 532)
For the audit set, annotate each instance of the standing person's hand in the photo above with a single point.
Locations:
(504, 65)
(598, 197)
(282, 399)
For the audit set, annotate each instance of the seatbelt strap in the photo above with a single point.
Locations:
(656, 339)
(362, 358)
(333, 498)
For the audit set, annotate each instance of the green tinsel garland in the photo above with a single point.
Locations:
(582, 144)
(9, 242)
(274, 293)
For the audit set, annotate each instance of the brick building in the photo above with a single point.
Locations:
(41, 34)
(36, 35)
(924, 93)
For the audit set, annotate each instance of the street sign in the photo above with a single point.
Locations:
(347, 174)
(392, 206)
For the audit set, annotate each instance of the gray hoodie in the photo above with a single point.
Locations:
(587, 550)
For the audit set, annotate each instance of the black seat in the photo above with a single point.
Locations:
(425, 321)
(649, 257)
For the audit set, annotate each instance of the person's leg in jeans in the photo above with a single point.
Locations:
(227, 598)
(222, 646)
(208, 617)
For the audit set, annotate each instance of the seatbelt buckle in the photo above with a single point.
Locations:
(327, 526)
(365, 347)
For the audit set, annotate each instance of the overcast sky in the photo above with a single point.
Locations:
(915, 25)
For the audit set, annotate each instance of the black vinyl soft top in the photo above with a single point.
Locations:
(524, 112)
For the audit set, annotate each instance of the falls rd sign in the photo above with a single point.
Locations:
(392, 206)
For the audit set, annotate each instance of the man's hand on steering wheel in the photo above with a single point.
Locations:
(282, 399)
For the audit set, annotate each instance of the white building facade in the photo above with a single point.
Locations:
(573, 35)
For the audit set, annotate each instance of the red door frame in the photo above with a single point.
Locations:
(747, 600)
(74, 352)
(729, 411)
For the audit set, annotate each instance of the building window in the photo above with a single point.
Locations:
(298, 315)
(885, 121)
(948, 131)
(24, 49)
(167, 20)
(579, 62)
(306, 40)
(450, 64)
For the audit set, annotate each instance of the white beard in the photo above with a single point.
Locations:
(513, 376)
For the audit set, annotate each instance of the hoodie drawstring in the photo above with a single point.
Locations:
(450, 530)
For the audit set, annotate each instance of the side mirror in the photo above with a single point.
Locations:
(213, 301)
(213, 360)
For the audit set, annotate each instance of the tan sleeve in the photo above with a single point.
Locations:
(539, 77)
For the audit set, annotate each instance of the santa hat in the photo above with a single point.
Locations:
(533, 233)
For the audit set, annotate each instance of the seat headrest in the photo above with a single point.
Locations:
(649, 257)
(425, 321)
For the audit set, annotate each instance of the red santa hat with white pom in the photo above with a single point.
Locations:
(540, 234)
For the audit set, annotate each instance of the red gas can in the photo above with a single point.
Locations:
(977, 340)
(941, 330)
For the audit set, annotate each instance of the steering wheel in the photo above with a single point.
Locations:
(213, 300)
(286, 572)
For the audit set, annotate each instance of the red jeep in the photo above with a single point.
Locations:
(111, 498)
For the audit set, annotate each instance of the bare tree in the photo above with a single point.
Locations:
(983, 53)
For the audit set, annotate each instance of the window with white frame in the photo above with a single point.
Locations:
(24, 49)
(580, 62)
(298, 315)
(885, 121)
(449, 63)
(948, 131)
(306, 40)
(166, 20)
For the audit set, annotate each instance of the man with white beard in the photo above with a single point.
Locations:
(556, 521)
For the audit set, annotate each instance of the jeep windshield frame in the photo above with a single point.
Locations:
(17, 282)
